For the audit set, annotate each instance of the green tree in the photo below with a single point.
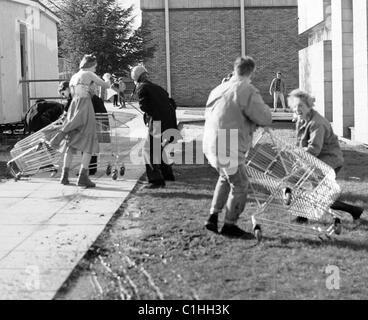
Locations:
(103, 28)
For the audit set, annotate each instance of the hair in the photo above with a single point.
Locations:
(303, 96)
(244, 66)
(88, 61)
(63, 85)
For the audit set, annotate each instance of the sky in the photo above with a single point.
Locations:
(137, 11)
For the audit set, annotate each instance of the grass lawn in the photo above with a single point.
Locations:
(157, 248)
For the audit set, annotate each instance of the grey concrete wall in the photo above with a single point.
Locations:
(361, 70)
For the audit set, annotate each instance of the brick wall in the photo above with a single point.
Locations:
(205, 43)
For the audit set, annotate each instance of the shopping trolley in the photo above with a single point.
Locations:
(110, 156)
(33, 154)
(287, 182)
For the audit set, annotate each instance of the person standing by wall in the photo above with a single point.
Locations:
(159, 116)
(233, 111)
(278, 91)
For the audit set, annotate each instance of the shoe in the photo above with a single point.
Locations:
(155, 185)
(65, 177)
(233, 231)
(211, 223)
(84, 181)
(301, 220)
(92, 172)
(169, 178)
(357, 213)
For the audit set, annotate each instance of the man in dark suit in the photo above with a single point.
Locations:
(159, 116)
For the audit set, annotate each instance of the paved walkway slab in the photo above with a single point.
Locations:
(46, 228)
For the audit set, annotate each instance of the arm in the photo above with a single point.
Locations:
(271, 86)
(316, 139)
(99, 81)
(143, 99)
(256, 110)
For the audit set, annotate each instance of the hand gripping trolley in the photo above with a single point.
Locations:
(287, 182)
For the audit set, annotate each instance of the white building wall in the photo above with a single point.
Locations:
(310, 12)
(42, 56)
(342, 66)
(360, 12)
(315, 75)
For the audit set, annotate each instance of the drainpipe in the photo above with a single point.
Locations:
(242, 23)
(167, 32)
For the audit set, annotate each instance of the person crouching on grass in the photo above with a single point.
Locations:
(234, 106)
(315, 136)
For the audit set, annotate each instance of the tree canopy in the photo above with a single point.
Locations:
(103, 28)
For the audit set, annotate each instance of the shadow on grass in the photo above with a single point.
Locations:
(184, 195)
(337, 243)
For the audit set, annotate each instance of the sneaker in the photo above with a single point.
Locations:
(211, 223)
(233, 231)
(301, 220)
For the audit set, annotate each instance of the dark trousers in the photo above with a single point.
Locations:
(354, 211)
(157, 173)
(116, 100)
(93, 165)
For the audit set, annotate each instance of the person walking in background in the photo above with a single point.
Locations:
(79, 130)
(278, 91)
(122, 88)
(234, 109)
(315, 136)
(159, 115)
(102, 94)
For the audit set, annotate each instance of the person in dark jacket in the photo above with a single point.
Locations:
(98, 107)
(159, 116)
(41, 114)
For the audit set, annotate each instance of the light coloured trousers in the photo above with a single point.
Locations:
(276, 96)
(231, 193)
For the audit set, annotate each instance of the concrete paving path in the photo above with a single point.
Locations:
(46, 228)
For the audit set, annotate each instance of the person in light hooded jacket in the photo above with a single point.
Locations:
(233, 111)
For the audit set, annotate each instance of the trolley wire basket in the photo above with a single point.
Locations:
(287, 180)
(34, 155)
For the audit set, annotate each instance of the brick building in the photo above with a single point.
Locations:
(198, 41)
(334, 64)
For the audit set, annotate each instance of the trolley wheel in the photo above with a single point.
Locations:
(258, 232)
(17, 176)
(108, 170)
(122, 170)
(337, 226)
(287, 196)
(114, 174)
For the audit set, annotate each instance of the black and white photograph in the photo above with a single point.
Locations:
(200, 152)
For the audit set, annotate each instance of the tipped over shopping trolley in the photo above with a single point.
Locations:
(34, 155)
(286, 182)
